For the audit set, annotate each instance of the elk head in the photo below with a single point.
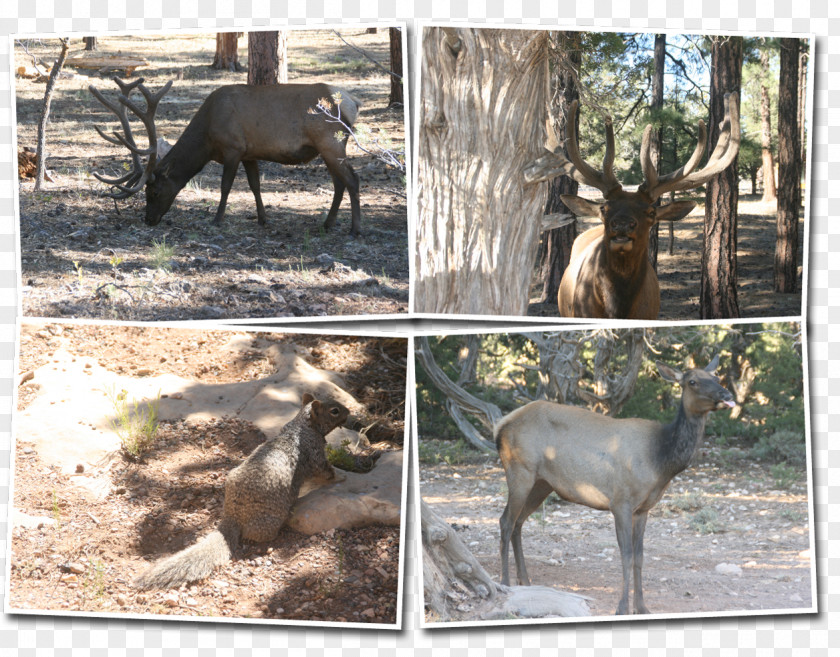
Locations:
(614, 278)
(140, 175)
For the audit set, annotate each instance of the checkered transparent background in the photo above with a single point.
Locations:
(30, 635)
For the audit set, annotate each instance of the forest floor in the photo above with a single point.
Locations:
(679, 272)
(726, 537)
(83, 553)
(85, 256)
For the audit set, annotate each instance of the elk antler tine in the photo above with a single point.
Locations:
(725, 152)
(650, 172)
(581, 170)
(609, 155)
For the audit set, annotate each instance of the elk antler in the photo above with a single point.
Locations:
(555, 163)
(724, 154)
(134, 180)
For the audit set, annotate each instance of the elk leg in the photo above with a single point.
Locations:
(228, 174)
(624, 533)
(252, 170)
(519, 490)
(537, 496)
(639, 522)
(340, 170)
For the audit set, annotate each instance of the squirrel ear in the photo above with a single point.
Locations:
(307, 397)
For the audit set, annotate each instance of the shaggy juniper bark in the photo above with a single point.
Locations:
(482, 120)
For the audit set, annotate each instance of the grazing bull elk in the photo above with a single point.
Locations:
(609, 274)
(620, 465)
(236, 123)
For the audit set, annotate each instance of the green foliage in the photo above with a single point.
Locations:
(707, 521)
(687, 501)
(136, 424)
(451, 452)
(784, 476)
(162, 255)
(781, 446)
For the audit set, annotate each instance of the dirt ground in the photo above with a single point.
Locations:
(87, 559)
(679, 273)
(761, 529)
(83, 255)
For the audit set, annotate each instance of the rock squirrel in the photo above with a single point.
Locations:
(259, 494)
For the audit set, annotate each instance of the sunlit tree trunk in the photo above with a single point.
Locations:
(41, 153)
(482, 120)
(227, 52)
(396, 95)
(656, 104)
(790, 169)
(267, 63)
(719, 273)
(768, 173)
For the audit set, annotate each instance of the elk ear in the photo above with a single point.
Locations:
(711, 367)
(674, 211)
(580, 206)
(669, 373)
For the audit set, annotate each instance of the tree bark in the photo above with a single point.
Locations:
(768, 172)
(719, 273)
(267, 62)
(790, 169)
(482, 120)
(556, 248)
(457, 588)
(459, 401)
(41, 152)
(803, 94)
(227, 52)
(90, 42)
(656, 104)
(396, 95)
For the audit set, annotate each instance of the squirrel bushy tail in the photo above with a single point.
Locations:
(194, 563)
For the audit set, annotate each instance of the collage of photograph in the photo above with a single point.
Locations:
(523, 309)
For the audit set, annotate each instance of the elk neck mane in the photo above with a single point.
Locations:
(678, 440)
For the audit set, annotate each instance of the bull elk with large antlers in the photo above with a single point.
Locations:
(620, 465)
(236, 123)
(609, 273)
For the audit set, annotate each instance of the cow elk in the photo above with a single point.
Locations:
(236, 123)
(620, 465)
(609, 273)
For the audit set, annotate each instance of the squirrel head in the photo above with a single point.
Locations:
(324, 416)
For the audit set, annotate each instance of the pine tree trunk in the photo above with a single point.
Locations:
(227, 52)
(396, 96)
(657, 102)
(790, 169)
(263, 58)
(719, 274)
(482, 120)
(90, 43)
(767, 167)
(556, 249)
